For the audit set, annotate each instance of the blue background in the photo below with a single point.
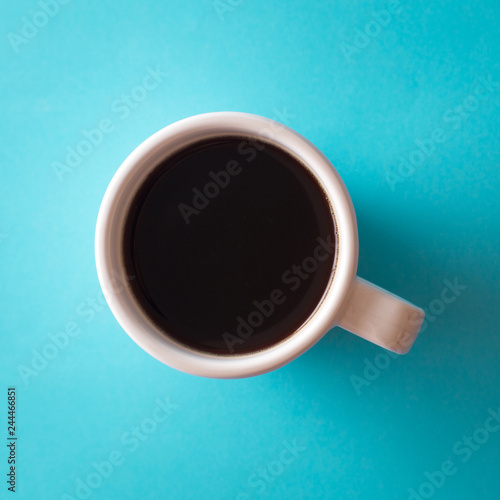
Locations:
(365, 106)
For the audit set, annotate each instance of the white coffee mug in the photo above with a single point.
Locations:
(349, 301)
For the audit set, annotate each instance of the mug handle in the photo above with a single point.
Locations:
(380, 317)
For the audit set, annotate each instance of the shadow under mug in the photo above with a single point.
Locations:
(348, 301)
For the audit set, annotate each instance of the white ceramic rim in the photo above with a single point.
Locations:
(110, 225)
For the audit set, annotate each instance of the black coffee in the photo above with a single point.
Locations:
(232, 244)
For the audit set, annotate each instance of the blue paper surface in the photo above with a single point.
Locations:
(404, 100)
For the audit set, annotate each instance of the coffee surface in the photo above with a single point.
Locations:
(231, 243)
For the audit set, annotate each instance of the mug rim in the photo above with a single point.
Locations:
(111, 220)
